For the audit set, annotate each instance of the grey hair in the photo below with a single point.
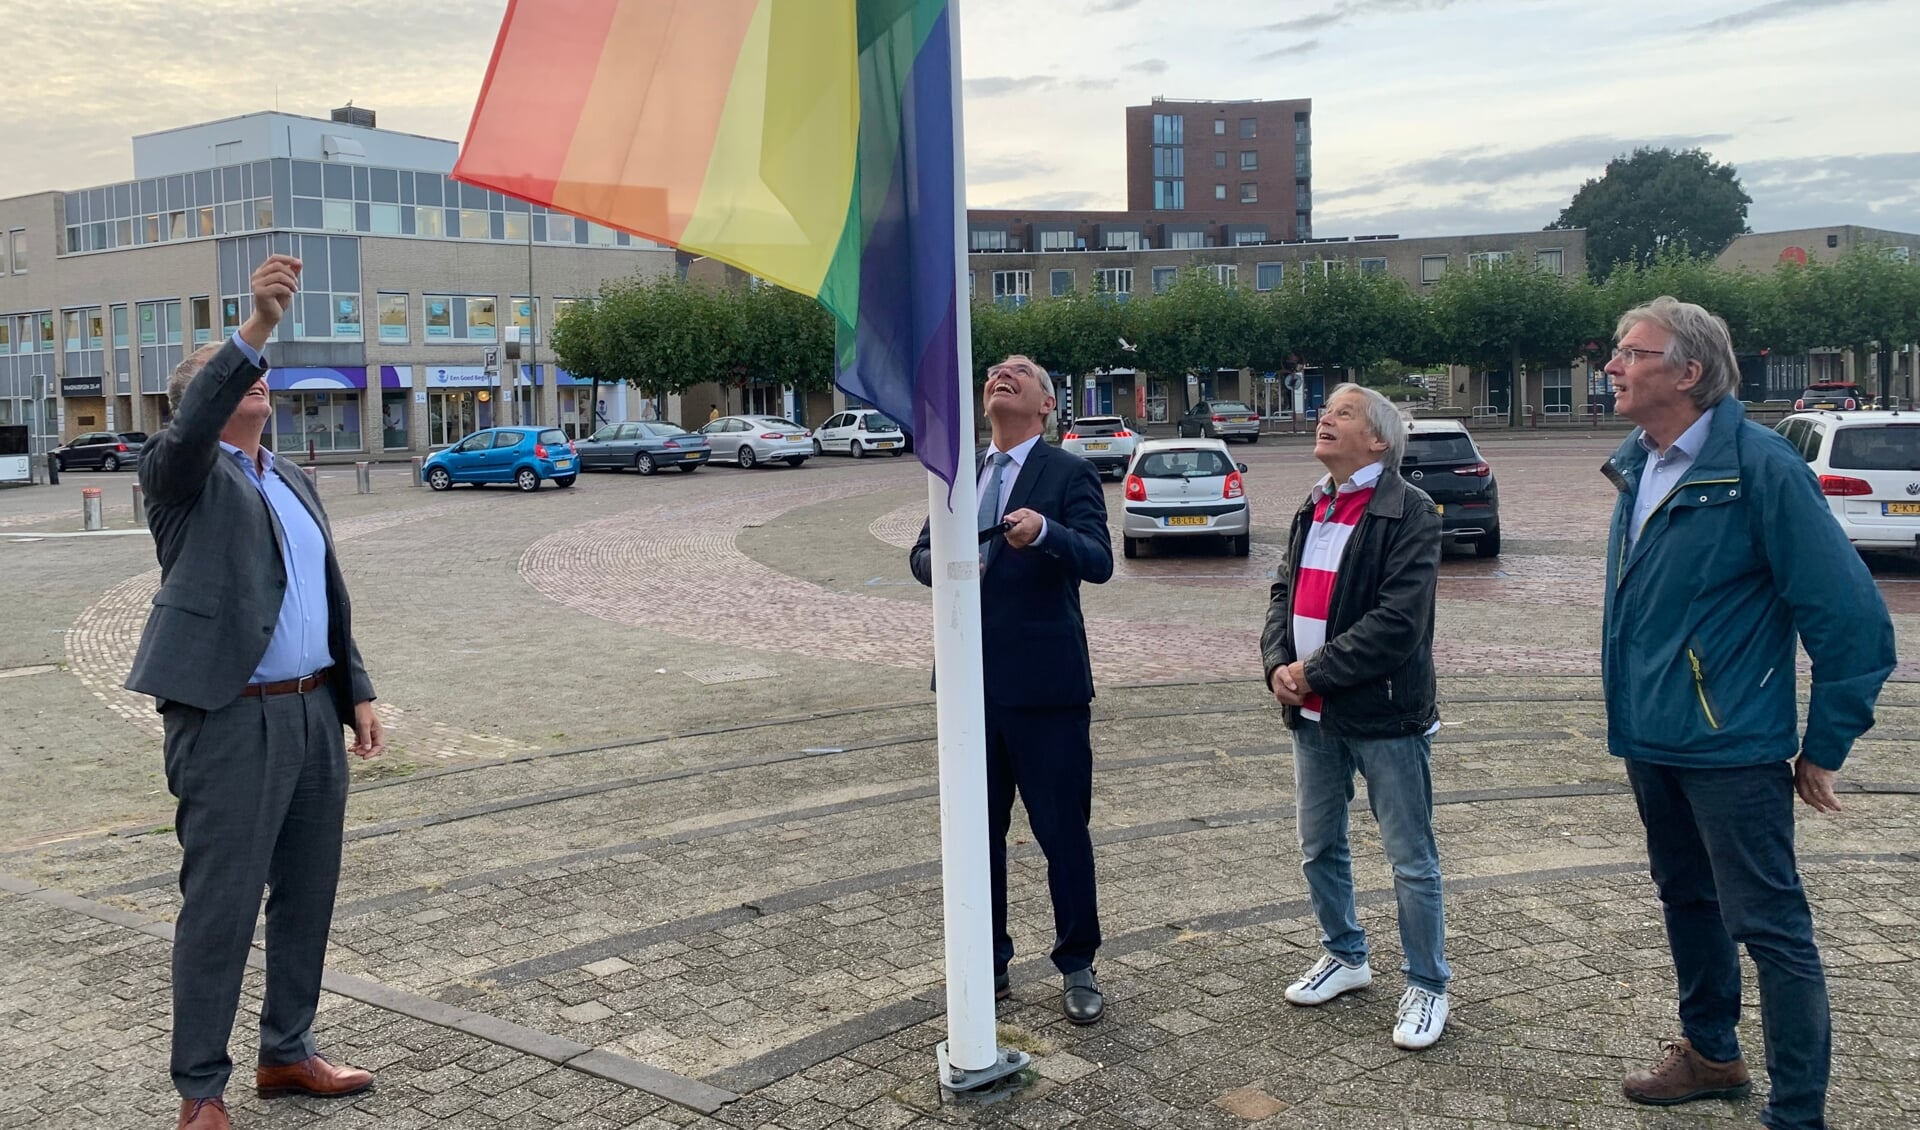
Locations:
(183, 373)
(1698, 335)
(1384, 420)
(1038, 371)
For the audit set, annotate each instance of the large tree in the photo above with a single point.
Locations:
(1200, 325)
(1513, 316)
(1653, 200)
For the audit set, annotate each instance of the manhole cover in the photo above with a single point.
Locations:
(736, 674)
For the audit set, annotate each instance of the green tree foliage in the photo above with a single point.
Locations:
(1512, 316)
(1654, 200)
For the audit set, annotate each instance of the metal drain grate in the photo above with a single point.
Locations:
(739, 673)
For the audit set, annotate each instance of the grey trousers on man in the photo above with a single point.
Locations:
(262, 785)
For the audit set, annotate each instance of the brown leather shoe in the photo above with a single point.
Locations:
(311, 1076)
(203, 1114)
(1683, 1075)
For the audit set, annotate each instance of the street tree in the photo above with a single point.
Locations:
(1512, 316)
(1653, 200)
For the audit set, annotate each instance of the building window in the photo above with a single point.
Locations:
(437, 315)
(1552, 261)
(1226, 274)
(1186, 240)
(73, 320)
(1432, 267)
(119, 327)
(1219, 160)
(1116, 281)
(1249, 192)
(430, 222)
(474, 224)
(562, 305)
(1169, 129)
(393, 317)
(1302, 226)
(1302, 163)
(526, 317)
(171, 313)
(1124, 241)
(1249, 129)
(1169, 195)
(1163, 278)
(1058, 241)
(202, 321)
(229, 316)
(1267, 276)
(1219, 192)
(1219, 127)
(1488, 258)
(1249, 235)
(1249, 160)
(1012, 288)
(1169, 161)
(1302, 197)
(1899, 253)
(1301, 133)
(17, 241)
(987, 239)
(1556, 390)
(1373, 266)
(515, 227)
(482, 319)
(1059, 283)
(6, 336)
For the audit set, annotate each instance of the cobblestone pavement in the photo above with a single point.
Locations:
(659, 846)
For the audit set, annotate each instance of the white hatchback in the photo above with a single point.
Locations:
(1869, 469)
(859, 432)
(1107, 442)
(1181, 488)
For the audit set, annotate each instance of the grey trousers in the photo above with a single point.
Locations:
(262, 785)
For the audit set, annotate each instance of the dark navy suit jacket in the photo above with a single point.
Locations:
(1032, 634)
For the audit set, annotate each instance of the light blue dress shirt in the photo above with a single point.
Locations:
(299, 645)
(1007, 476)
(1663, 473)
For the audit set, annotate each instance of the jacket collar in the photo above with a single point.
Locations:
(1389, 496)
(1718, 458)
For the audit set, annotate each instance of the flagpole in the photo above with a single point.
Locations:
(970, 1057)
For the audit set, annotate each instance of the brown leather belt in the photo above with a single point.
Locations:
(287, 686)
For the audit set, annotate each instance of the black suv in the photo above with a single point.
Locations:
(108, 451)
(1443, 460)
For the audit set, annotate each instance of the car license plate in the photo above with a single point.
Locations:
(695, 455)
(562, 464)
(795, 439)
(1187, 520)
(1825, 406)
(883, 443)
(1439, 509)
(1097, 446)
(1891, 508)
(1243, 419)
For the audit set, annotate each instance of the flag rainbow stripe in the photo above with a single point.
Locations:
(810, 142)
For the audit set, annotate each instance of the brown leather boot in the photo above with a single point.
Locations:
(311, 1076)
(1683, 1075)
(203, 1114)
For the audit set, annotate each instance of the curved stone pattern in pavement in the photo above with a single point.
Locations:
(101, 645)
(641, 568)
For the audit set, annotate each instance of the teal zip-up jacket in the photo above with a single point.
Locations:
(1698, 649)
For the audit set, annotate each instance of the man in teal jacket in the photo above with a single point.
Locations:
(1722, 548)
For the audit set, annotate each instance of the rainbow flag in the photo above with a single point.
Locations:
(810, 142)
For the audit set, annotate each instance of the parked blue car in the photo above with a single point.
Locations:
(522, 456)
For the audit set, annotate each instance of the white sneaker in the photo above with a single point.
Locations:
(1328, 978)
(1422, 1017)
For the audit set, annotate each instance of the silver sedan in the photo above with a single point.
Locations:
(752, 440)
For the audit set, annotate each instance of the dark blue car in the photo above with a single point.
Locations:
(522, 456)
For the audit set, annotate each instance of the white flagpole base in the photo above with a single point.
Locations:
(1011, 1061)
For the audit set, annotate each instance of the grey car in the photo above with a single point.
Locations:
(644, 446)
(755, 440)
(1221, 419)
(108, 451)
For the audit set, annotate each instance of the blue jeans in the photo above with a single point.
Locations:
(1720, 846)
(1400, 792)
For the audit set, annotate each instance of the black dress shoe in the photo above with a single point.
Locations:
(1002, 987)
(1081, 998)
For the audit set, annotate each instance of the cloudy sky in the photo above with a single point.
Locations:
(1430, 116)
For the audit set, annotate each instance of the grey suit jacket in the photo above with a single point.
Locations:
(222, 579)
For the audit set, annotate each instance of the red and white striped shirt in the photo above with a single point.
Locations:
(1334, 517)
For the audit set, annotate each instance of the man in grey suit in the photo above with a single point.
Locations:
(250, 657)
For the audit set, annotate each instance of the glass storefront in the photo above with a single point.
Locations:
(393, 419)
(453, 413)
(317, 421)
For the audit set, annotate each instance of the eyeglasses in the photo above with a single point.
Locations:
(1633, 356)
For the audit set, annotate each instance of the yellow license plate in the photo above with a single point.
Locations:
(1243, 419)
(884, 443)
(696, 455)
(795, 439)
(1098, 446)
(1891, 508)
(1187, 520)
(1439, 509)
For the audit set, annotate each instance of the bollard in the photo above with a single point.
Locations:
(53, 469)
(313, 476)
(139, 506)
(363, 477)
(419, 469)
(90, 510)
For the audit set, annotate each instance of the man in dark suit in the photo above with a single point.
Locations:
(250, 657)
(1038, 678)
